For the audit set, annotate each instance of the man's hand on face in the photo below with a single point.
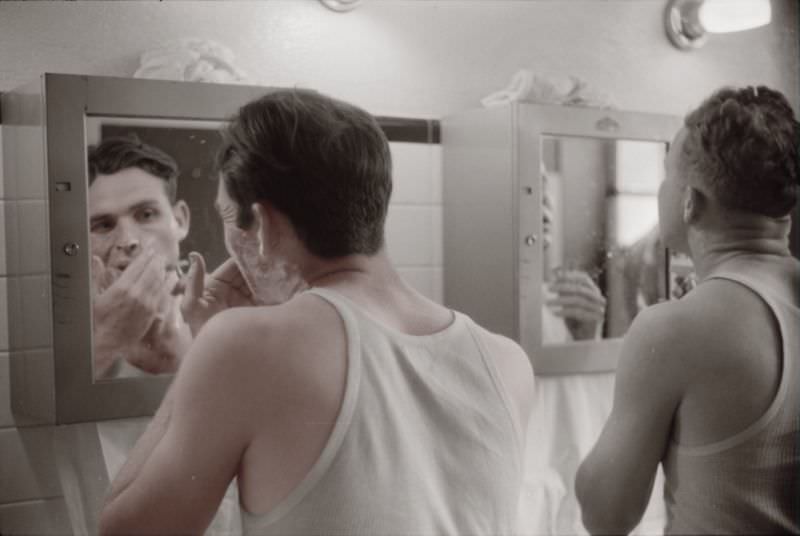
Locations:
(206, 295)
(126, 304)
(579, 302)
(167, 340)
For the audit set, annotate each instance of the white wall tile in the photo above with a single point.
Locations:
(10, 165)
(27, 464)
(31, 372)
(419, 278)
(33, 235)
(3, 265)
(36, 311)
(32, 387)
(4, 343)
(25, 171)
(2, 181)
(411, 173)
(437, 237)
(6, 191)
(409, 237)
(437, 292)
(29, 314)
(10, 237)
(426, 280)
(436, 173)
(29, 162)
(6, 419)
(41, 517)
(13, 308)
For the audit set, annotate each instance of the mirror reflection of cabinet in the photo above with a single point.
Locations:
(48, 127)
(550, 226)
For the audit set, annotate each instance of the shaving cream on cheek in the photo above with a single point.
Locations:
(272, 280)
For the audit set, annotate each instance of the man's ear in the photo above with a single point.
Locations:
(182, 217)
(694, 204)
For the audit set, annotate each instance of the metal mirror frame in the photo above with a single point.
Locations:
(534, 122)
(67, 100)
(492, 218)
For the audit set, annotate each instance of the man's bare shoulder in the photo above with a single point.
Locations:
(515, 371)
(300, 320)
(698, 334)
(722, 314)
(505, 351)
(659, 324)
(283, 346)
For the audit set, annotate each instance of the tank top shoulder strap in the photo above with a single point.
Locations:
(775, 298)
(343, 420)
(497, 380)
(352, 331)
(788, 366)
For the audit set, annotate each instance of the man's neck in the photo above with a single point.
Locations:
(347, 269)
(711, 249)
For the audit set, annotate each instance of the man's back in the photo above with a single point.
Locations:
(731, 461)
(705, 385)
(398, 432)
(390, 414)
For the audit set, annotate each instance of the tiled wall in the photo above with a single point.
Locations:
(30, 494)
(31, 498)
(414, 223)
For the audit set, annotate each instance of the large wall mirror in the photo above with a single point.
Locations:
(130, 188)
(602, 260)
(563, 249)
(166, 204)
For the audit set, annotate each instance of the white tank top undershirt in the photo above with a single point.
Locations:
(424, 442)
(748, 483)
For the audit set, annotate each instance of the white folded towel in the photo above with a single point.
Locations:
(192, 60)
(527, 86)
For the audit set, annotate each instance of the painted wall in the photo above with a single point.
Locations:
(411, 58)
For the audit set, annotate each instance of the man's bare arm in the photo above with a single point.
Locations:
(207, 294)
(615, 480)
(516, 374)
(143, 448)
(179, 470)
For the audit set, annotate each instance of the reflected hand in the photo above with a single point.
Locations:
(126, 304)
(162, 347)
(206, 296)
(579, 302)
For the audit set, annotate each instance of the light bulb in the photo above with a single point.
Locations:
(720, 16)
(688, 22)
(341, 5)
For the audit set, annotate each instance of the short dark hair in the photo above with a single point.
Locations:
(118, 153)
(743, 144)
(322, 162)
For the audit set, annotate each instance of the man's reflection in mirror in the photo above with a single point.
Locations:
(574, 307)
(641, 270)
(136, 226)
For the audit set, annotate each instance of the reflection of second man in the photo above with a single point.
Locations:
(136, 226)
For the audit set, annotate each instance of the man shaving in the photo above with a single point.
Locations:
(136, 226)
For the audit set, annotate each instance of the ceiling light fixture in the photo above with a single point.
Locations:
(688, 22)
(341, 5)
